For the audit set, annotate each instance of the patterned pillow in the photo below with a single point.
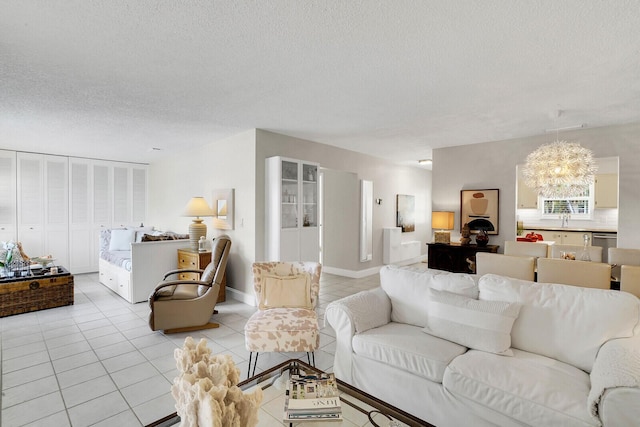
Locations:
(481, 325)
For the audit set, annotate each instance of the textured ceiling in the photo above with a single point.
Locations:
(395, 79)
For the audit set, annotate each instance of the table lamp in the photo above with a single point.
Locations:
(443, 221)
(197, 207)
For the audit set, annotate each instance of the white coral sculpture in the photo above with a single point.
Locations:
(206, 390)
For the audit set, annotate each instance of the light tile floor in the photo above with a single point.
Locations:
(97, 363)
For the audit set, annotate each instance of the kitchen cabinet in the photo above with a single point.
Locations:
(562, 237)
(527, 197)
(606, 191)
(291, 197)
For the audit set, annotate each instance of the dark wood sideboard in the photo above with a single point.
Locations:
(453, 256)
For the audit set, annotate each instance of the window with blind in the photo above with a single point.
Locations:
(579, 207)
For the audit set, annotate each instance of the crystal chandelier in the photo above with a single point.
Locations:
(560, 169)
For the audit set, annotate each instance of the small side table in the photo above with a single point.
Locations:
(189, 258)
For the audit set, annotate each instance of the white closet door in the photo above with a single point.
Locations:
(56, 196)
(121, 196)
(139, 194)
(7, 196)
(31, 203)
(80, 216)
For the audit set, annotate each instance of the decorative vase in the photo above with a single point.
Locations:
(482, 238)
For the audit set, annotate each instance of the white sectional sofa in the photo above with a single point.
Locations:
(458, 350)
(133, 267)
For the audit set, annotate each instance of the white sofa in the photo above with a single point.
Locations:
(135, 268)
(569, 356)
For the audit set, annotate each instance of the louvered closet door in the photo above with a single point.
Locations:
(56, 197)
(139, 194)
(80, 216)
(101, 204)
(121, 196)
(8, 229)
(31, 203)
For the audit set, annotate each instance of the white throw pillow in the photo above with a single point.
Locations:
(457, 283)
(285, 291)
(481, 325)
(121, 240)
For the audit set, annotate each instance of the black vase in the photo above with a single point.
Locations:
(482, 238)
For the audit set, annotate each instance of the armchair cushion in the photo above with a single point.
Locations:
(481, 325)
(285, 291)
(282, 329)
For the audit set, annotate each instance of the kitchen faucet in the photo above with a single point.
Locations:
(565, 219)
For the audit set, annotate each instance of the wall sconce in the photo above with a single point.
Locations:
(443, 221)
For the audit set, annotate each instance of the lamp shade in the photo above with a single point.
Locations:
(442, 220)
(198, 206)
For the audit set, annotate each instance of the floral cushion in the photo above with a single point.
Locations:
(282, 329)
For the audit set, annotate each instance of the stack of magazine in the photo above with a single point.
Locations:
(312, 398)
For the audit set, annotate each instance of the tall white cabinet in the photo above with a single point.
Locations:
(292, 209)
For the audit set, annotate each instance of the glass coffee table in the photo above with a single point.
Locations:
(358, 407)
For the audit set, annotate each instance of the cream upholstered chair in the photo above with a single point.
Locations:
(518, 267)
(595, 252)
(578, 273)
(630, 279)
(286, 320)
(622, 256)
(187, 305)
(513, 247)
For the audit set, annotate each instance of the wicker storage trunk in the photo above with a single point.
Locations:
(35, 293)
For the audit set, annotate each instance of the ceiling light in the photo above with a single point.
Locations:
(560, 169)
(425, 161)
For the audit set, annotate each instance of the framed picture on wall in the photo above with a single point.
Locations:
(479, 209)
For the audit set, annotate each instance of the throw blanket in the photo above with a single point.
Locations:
(617, 365)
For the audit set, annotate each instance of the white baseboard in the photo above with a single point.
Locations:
(353, 274)
(241, 296)
(358, 274)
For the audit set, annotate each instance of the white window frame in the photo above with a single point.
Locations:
(573, 215)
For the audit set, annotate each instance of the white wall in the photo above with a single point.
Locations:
(229, 163)
(389, 179)
(493, 165)
(341, 218)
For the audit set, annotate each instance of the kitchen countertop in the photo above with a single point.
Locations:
(593, 230)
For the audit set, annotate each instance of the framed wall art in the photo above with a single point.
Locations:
(479, 209)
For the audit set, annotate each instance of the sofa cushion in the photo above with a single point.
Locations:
(121, 240)
(406, 347)
(408, 288)
(567, 323)
(532, 389)
(481, 325)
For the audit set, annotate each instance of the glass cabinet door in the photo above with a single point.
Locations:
(289, 196)
(309, 195)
